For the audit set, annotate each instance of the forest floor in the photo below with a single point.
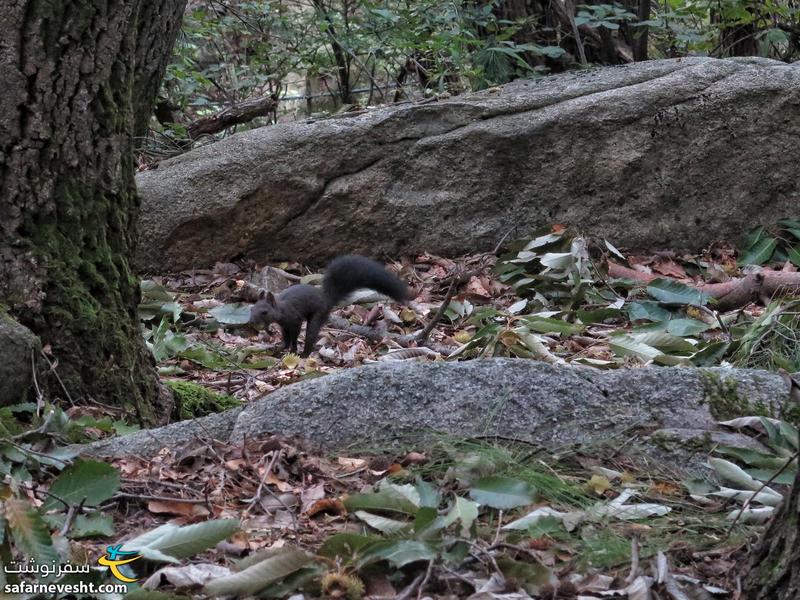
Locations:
(478, 518)
(514, 522)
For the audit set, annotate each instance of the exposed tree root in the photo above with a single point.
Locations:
(735, 293)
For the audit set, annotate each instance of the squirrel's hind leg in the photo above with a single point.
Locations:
(312, 332)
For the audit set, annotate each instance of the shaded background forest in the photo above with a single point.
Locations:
(243, 64)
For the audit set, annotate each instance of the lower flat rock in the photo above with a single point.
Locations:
(387, 404)
(551, 405)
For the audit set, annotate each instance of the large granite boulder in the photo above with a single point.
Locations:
(670, 153)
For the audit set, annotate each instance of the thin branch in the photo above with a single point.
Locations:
(58, 378)
(451, 291)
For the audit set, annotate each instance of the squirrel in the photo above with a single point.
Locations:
(302, 302)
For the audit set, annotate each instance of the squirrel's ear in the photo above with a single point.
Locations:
(271, 298)
(262, 295)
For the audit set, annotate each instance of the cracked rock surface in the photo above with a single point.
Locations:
(661, 154)
(668, 413)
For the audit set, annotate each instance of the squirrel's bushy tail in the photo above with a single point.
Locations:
(346, 274)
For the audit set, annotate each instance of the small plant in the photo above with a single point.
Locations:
(568, 296)
(779, 244)
(772, 341)
(603, 15)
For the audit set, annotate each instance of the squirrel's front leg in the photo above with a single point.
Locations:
(290, 335)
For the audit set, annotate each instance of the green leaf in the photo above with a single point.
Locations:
(382, 524)
(710, 354)
(464, 511)
(597, 315)
(428, 496)
(399, 552)
(151, 310)
(671, 360)
(13, 454)
(785, 478)
(255, 578)
(456, 309)
(793, 254)
(790, 224)
(775, 36)
(154, 292)
(347, 545)
(518, 307)
(123, 428)
(92, 526)
(760, 252)
(755, 236)
(207, 358)
(427, 523)
(57, 457)
(302, 579)
(734, 474)
(655, 337)
(88, 482)
(183, 542)
(405, 490)
(550, 51)
(648, 311)
(752, 458)
(615, 252)
(550, 325)
(670, 291)
(557, 260)
(386, 500)
(232, 314)
(524, 572)
(543, 240)
(625, 345)
(773, 432)
(686, 327)
(502, 492)
(790, 434)
(29, 531)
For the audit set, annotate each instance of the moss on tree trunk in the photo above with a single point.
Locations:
(79, 77)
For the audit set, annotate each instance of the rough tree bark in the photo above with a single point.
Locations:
(775, 563)
(79, 79)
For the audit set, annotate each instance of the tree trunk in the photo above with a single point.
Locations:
(637, 37)
(775, 563)
(79, 78)
(341, 58)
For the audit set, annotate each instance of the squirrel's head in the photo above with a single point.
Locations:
(265, 310)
